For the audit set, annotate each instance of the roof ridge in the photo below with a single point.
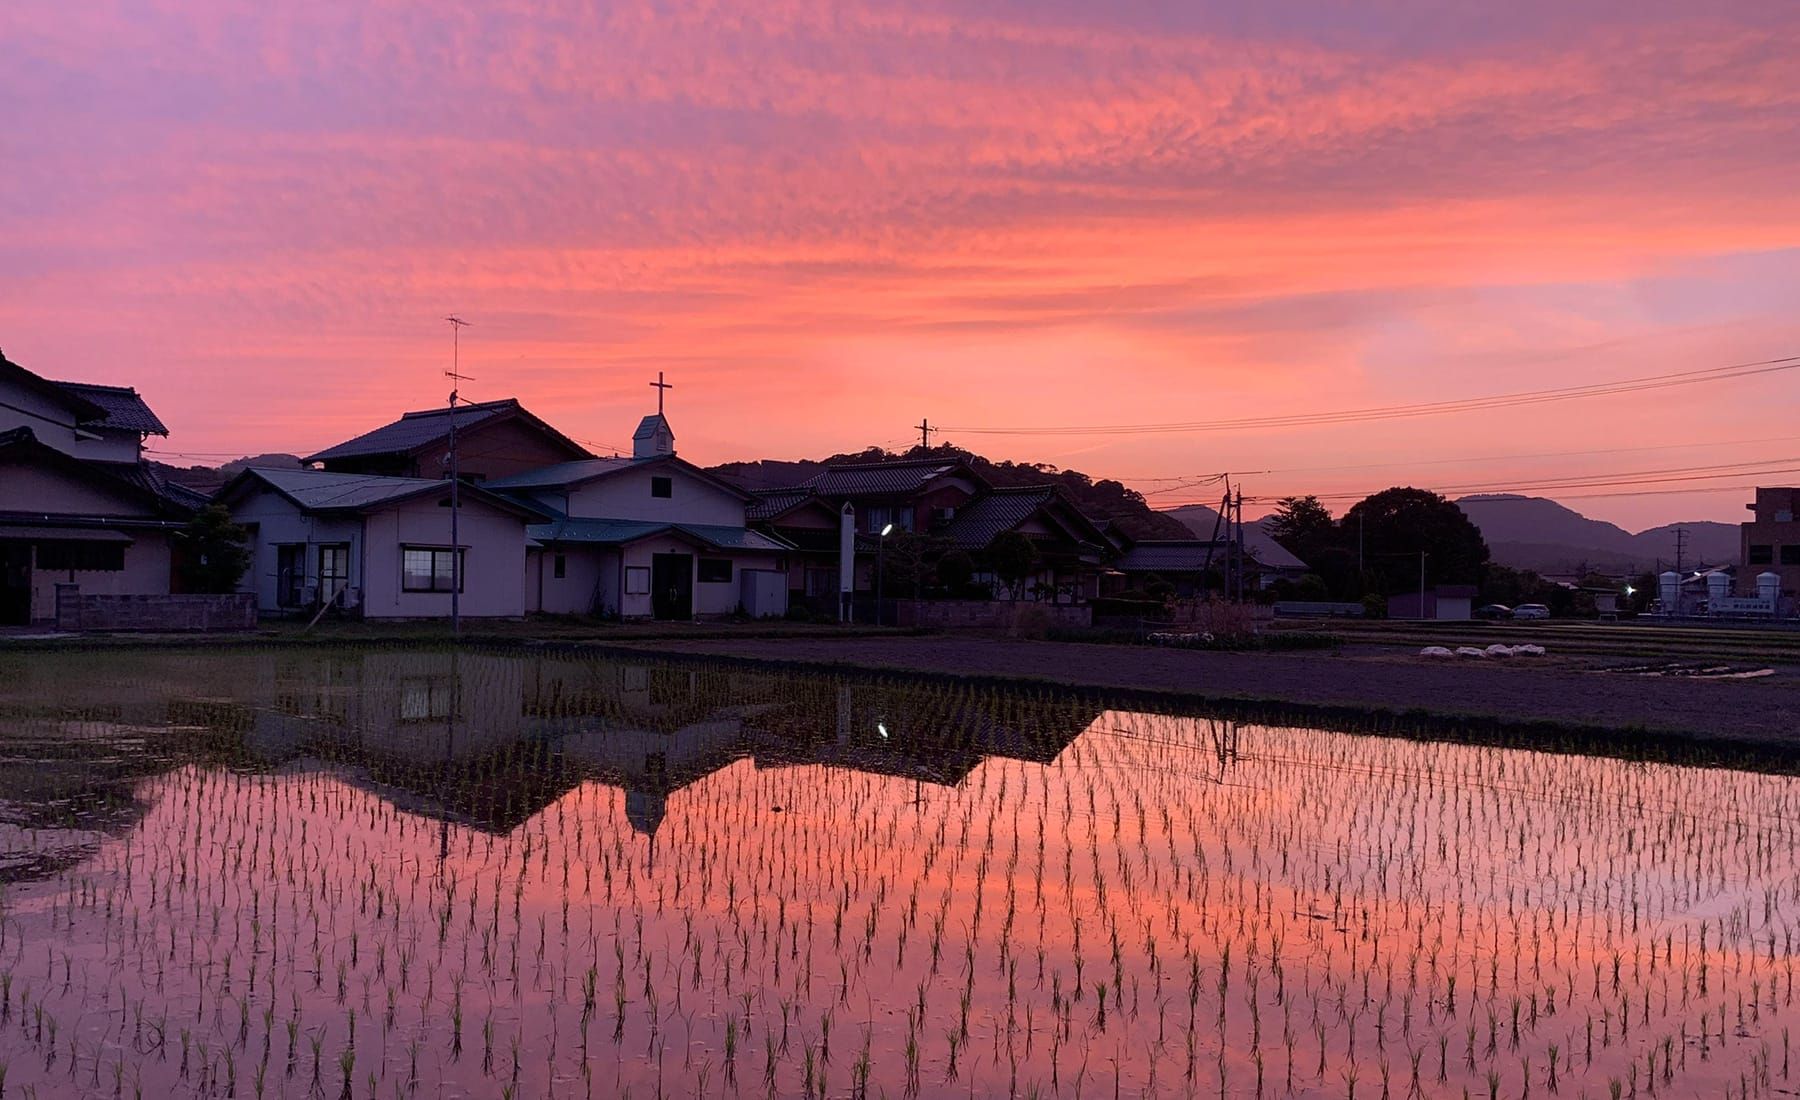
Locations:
(96, 386)
(497, 403)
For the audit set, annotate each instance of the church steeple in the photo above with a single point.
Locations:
(654, 438)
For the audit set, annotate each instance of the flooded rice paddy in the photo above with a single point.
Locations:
(397, 873)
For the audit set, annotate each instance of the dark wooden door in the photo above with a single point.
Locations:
(672, 586)
(15, 583)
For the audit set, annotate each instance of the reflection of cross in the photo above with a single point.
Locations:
(660, 387)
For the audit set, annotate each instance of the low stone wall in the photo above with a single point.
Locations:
(987, 614)
(76, 611)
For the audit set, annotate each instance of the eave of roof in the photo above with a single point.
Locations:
(125, 409)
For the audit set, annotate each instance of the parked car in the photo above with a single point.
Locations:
(1531, 611)
(1493, 611)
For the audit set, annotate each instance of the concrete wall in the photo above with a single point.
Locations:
(77, 610)
(627, 496)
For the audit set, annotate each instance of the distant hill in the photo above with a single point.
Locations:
(1101, 500)
(208, 479)
(1536, 533)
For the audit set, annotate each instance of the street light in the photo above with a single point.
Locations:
(880, 545)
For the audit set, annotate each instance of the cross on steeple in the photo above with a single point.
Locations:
(660, 386)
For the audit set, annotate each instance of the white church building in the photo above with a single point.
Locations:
(647, 537)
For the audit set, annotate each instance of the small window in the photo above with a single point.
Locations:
(715, 570)
(1760, 555)
(560, 567)
(1790, 555)
(637, 580)
(432, 569)
(662, 487)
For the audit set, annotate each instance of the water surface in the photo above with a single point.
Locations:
(394, 872)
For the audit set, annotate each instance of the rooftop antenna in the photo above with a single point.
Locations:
(457, 324)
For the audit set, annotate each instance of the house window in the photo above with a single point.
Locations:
(1790, 555)
(821, 582)
(91, 557)
(432, 569)
(426, 698)
(1759, 555)
(715, 570)
(559, 568)
(290, 573)
(880, 516)
(662, 487)
(334, 570)
(637, 580)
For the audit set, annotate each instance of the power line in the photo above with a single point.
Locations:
(1428, 408)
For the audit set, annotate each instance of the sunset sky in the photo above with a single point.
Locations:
(825, 220)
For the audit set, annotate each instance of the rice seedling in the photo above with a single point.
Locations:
(232, 867)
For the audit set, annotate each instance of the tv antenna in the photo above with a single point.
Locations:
(457, 324)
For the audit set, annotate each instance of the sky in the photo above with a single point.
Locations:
(827, 220)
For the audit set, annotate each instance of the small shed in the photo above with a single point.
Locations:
(1446, 603)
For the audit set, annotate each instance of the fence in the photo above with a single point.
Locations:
(76, 612)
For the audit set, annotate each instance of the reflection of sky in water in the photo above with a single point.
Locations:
(610, 870)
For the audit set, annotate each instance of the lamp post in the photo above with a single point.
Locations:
(880, 548)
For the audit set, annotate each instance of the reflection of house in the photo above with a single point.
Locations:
(77, 502)
(651, 536)
(493, 439)
(381, 545)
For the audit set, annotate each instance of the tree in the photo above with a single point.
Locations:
(1013, 557)
(955, 570)
(1303, 527)
(1399, 524)
(211, 551)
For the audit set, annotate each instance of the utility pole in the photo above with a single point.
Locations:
(457, 324)
(1422, 614)
(925, 430)
(1680, 546)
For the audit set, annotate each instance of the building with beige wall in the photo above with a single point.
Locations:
(1771, 539)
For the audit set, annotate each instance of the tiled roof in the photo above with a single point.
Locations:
(124, 409)
(318, 490)
(563, 473)
(424, 427)
(618, 532)
(1189, 556)
(978, 522)
(323, 491)
(414, 430)
(773, 502)
(880, 478)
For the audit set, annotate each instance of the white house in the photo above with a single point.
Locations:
(651, 536)
(378, 545)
